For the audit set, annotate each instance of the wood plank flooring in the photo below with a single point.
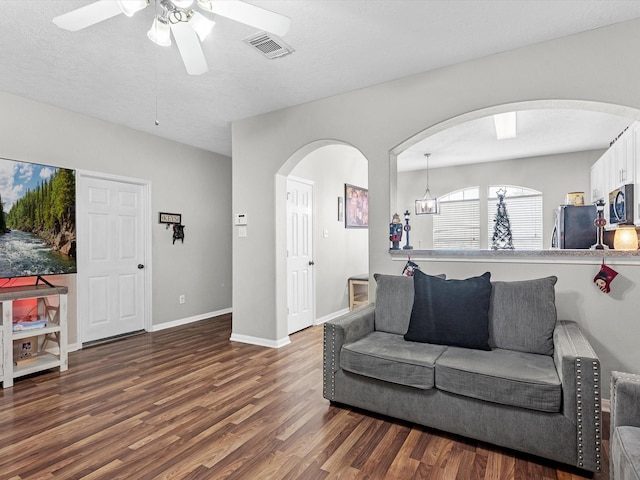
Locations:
(186, 403)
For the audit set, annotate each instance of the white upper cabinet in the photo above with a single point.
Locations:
(618, 166)
(622, 166)
(599, 176)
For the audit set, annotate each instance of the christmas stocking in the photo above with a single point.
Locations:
(409, 268)
(604, 278)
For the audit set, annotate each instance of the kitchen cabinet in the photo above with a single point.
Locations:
(623, 159)
(618, 166)
(636, 173)
(49, 305)
(599, 176)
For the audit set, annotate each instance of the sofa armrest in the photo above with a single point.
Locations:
(625, 399)
(579, 371)
(337, 332)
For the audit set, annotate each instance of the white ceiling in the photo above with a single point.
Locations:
(539, 132)
(111, 71)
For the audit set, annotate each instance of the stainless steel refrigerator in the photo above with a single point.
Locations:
(574, 227)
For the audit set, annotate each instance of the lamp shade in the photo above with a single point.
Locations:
(625, 238)
(427, 205)
(160, 33)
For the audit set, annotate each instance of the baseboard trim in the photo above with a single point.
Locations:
(331, 316)
(185, 321)
(261, 342)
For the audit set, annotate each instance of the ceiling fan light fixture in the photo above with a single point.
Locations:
(160, 33)
(205, 5)
(130, 7)
(182, 3)
(201, 25)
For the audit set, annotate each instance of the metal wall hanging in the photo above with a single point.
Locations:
(174, 219)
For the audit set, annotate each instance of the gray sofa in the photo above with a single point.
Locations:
(624, 441)
(546, 403)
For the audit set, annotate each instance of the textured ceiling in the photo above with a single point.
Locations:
(111, 71)
(539, 132)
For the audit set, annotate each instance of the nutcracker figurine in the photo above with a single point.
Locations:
(395, 231)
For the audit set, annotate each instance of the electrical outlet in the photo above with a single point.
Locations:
(182, 299)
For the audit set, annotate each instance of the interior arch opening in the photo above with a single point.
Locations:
(326, 168)
(555, 146)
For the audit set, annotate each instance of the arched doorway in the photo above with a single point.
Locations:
(338, 252)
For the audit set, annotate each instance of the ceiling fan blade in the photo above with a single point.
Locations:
(190, 49)
(249, 15)
(88, 15)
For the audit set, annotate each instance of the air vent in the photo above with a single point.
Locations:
(269, 45)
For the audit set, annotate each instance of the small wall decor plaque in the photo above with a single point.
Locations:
(170, 218)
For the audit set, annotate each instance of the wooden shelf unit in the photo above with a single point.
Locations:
(358, 291)
(55, 331)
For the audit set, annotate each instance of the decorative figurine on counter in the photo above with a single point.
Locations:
(407, 228)
(604, 278)
(600, 222)
(395, 232)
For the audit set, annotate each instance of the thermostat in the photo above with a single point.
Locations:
(241, 219)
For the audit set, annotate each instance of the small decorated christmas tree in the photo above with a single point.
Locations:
(502, 239)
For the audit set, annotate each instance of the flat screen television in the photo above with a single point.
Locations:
(37, 220)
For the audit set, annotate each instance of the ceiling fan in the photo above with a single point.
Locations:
(178, 17)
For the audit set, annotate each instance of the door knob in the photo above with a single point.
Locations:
(311, 262)
(140, 266)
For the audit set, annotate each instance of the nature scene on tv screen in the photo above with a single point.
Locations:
(37, 219)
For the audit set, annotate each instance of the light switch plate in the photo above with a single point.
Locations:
(241, 219)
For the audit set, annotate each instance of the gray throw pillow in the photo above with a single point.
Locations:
(394, 302)
(522, 315)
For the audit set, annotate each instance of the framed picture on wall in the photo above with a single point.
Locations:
(356, 200)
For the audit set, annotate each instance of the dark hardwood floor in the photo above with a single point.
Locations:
(186, 403)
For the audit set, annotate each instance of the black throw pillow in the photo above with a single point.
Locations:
(451, 312)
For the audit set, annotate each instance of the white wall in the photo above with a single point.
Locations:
(375, 120)
(185, 180)
(553, 175)
(344, 251)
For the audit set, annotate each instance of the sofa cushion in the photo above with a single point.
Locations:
(394, 301)
(625, 453)
(388, 357)
(522, 315)
(501, 376)
(450, 312)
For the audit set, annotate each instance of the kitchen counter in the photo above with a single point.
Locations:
(618, 257)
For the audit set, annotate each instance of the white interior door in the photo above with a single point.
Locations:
(111, 251)
(300, 279)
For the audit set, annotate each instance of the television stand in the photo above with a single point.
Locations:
(51, 306)
(40, 278)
